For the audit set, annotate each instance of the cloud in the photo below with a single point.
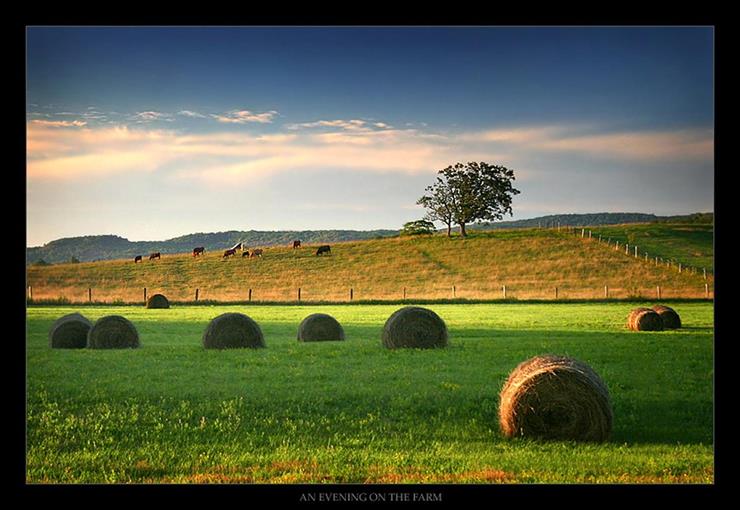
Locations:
(59, 123)
(150, 116)
(348, 125)
(190, 113)
(245, 116)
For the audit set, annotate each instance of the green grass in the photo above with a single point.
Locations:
(691, 244)
(354, 412)
(531, 263)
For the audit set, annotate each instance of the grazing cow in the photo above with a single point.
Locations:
(323, 249)
(256, 253)
(229, 252)
(198, 251)
(296, 244)
(156, 255)
(137, 259)
(245, 253)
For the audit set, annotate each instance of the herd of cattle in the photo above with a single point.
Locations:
(231, 252)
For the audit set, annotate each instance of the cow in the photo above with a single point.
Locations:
(137, 259)
(229, 252)
(256, 253)
(237, 246)
(155, 255)
(245, 253)
(296, 244)
(323, 249)
(198, 251)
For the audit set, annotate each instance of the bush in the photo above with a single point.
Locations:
(418, 227)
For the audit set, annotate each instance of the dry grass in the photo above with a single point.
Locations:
(529, 263)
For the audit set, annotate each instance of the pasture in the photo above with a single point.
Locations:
(530, 263)
(353, 411)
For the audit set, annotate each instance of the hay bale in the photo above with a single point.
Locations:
(555, 397)
(113, 332)
(413, 326)
(69, 332)
(644, 319)
(320, 327)
(232, 331)
(157, 301)
(671, 319)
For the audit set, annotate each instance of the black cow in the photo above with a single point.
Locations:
(229, 252)
(323, 249)
(245, 253)
(256, 253)
(198, 251)
(137, 259)
(156, 255)
(296, 244)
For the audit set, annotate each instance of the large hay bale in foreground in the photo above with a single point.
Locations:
(671, 319)
(113, 332)
(157, 301)
(413, 326)
(232, 331)
(644, 319)
(69, 332)
(320, 327)
(555, 397)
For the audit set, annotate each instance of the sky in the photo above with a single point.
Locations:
(155, 132)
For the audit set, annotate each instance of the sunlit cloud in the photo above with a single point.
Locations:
(59, 123)
(245, 116)
(150, 116)
(348, 125)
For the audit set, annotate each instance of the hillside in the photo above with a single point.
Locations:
(529, 262)
(578, 220)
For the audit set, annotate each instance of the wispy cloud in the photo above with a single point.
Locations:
(245, 116)
(190, 113)
(150, 116)
(348, 125)
(59, 123)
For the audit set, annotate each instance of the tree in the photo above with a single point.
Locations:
(468, 193)
(418, 227)
(439, 204)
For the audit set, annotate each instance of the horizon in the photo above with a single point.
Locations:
(160, 132)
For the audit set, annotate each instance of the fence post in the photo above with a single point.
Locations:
(250, 294)
(504, 290)
(196, 294)
(556, 292)
(30, 291)
(351, 294)
(705, 276)
(589, 234)
(627, 248)
(658, 287)
(583, 232)
(453, 292)
(89, 294)
(635, 251)
(706, 290)
(606, 291)
(404, 293)
(144, 294)
(299, 293)
(679, 267)
(616, 245)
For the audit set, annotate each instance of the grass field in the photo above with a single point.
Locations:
(531, 263)
(354, 412)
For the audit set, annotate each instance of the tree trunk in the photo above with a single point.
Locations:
(462, 230)
(449, 230)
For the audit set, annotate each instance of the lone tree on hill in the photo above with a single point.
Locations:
(418, 227)
(467, 193)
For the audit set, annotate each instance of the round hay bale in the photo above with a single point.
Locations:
(157, 301)
(644, 319)
(232, 331)
(69, 332)
(413, 326)
(113, 332)
(555, 397)
(671, 319)
(320, 327)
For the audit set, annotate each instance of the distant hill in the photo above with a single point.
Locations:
(108, 247)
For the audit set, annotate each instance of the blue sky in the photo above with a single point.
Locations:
(154, 132)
